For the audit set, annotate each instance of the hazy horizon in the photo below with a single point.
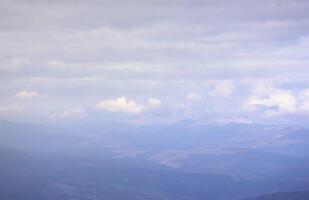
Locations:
(154, 100)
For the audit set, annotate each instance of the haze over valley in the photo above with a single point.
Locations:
(154, 100)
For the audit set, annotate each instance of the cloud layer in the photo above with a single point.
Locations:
(154, 60)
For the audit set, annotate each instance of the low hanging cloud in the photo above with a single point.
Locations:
(153, 103)
(122, 105)
(281, 101)
(129, 106)
(273, 101)
(27, 94)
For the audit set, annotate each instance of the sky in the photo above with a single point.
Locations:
(154, 61)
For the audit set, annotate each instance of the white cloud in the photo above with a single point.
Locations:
(304, 101)
(121, 104)
(27, 94)
(275, 101)
(154, 103)
(223, 88)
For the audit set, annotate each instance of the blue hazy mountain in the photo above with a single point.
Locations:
(185, 160)
(297, 195)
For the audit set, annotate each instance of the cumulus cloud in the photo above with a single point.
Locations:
(27, 94)
(272, 100)
(129, 106)
(154, 103)
(122, 105)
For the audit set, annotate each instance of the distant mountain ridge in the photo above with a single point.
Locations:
(186, 160)
(297, 195)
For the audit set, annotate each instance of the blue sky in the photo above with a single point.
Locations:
(154, 61)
